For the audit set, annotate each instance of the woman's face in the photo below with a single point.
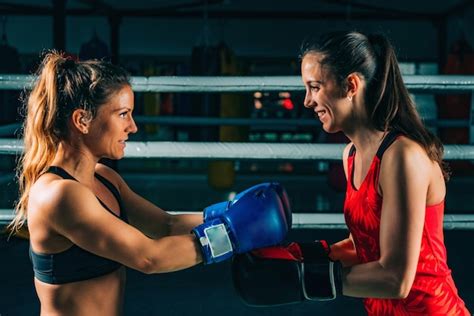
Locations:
(113, 123)
(323, 95)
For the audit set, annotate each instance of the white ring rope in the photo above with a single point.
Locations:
(318, 221)
(438, 83)
(287, 151)
(219, 150)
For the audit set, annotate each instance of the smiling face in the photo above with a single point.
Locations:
(113, 123)
(323, 95)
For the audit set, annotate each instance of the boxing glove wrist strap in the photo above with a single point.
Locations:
(322, 277)
(214, 241)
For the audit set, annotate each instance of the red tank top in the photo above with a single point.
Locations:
(433, 291)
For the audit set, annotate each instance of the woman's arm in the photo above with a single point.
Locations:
(147, 217)
(404, 180)
(345, 252)
(80, 217)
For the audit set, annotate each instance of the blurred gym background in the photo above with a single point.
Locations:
(232, 38)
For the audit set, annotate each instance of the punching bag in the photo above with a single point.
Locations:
(9, 64)
(221, 174)
(9, 105)
(151, 102)
(205, 62)
(460, 61)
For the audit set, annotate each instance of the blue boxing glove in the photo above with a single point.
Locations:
(215, 210)
(257, 219)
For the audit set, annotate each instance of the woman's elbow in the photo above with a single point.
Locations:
(400, 286)
(145, 265)
(404, 289)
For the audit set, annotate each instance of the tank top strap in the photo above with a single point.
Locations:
(352, 151)
(387, 141)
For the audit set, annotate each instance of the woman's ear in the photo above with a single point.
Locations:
(353, 85)
(81, 120)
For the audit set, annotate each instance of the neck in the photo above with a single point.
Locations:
(76, 161)
(366, 140)
(360, 130)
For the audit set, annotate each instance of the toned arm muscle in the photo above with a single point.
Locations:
(404, 180)
(83, 220)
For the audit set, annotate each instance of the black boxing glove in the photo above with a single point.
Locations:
(286, 274)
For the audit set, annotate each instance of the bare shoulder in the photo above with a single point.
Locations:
(408, 159)
(345, 153)
(406, 151)
(50, 194)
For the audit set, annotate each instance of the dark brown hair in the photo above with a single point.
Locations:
(387, 100)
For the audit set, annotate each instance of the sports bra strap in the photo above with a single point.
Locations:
(65, 175)
(109, 186)
(60, 172)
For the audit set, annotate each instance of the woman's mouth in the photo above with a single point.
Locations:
(320, 113)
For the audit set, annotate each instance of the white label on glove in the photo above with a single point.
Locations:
(219, 241)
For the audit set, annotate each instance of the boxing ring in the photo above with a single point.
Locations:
(258, 151)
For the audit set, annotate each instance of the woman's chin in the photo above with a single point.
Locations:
(115, 156)
(328, 128)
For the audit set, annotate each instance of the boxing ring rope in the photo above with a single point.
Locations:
(438, 83)
(254, 151)
(320, 220)
(258, 151)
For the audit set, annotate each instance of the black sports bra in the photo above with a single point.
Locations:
(75, 264)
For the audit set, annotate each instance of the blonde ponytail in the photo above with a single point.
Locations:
(39, 139)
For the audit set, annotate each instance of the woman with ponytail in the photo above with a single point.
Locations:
(395, 255)
(84, 222)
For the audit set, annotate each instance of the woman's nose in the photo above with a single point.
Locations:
(133, 127)
(308, 101)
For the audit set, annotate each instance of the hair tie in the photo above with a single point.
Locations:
(69, 63)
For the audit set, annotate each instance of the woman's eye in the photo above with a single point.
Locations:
(123, 114)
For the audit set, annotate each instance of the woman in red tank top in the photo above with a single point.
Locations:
(395, 256)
